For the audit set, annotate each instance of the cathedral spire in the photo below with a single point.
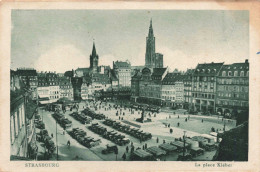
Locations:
(94, 49)
(151, 29)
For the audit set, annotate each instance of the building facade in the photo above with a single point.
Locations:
(187, 81)
(65, 88)
(150, 85)
(18, 136)
(173, 90)
(123, 73)
(29, 78)
(204, 87)
(233, 89)
(135, 86)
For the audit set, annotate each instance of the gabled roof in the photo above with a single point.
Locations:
(158, 71)
(208, 69)
(171, 78)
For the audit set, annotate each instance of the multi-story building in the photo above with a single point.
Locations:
(173, 90)
(76, 84)
(18, 136)
(187, 89)
(14, 81)
(114, 80)
(135, 86)
(233, 89)
(150, 85)
(152, 59)
(65, 88)
(85, 88)
(123, 73)
(43, 89)
(204, 87)
(29, 78)
(54, 87)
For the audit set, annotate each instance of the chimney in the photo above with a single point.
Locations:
(246, 61)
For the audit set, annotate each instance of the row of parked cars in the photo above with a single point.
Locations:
(62, 120)
(81, 136)
(43, 136)
(113, 136)
(152, 109)
(135, 132)
(92, 114)
(81, 117)
(38, 122)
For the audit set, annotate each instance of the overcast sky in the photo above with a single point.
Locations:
(60, 40)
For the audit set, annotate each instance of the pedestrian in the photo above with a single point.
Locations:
(52, 135)
(143, 147)
(68, 143)
(127, 149)
(202, 120)
(178, 115)
(164, 141)
(178, 124)
(185, 119)
(132, 144)
(157, 140)
(119, 117)
(124, 156)
(63, 131)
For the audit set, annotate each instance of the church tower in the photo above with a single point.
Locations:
(94, 59)
(150, 48)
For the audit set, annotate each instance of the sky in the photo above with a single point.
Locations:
(61, 40)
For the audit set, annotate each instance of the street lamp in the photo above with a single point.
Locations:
(184, 142)
(57, 142)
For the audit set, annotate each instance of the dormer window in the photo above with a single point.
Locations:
(242, 73)
(235, 73)
(229, 73)
(224, 73)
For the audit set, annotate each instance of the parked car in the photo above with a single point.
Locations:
(109, 149)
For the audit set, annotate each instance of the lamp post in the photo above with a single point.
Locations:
(57, 142)
(183, 143)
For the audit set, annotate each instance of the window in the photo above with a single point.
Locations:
(224, 73)
(242, 73)
(235, 73)
(229, 73)
(247, 73)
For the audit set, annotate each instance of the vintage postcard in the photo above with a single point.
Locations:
(130, 86)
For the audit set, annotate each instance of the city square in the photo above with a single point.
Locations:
(116, 105)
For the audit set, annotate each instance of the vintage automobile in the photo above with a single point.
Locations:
(147, 136)
(122, 141)
(40, 136)
(186, 157)
(196, 151)
(109, 149)
(65, 123)
(50, 146)
(40, 125)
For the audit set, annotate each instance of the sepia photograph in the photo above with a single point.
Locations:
(129, 85)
